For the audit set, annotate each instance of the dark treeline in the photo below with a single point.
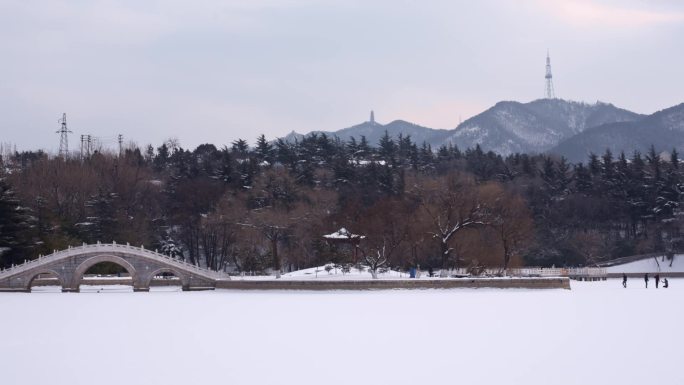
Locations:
(267, 206)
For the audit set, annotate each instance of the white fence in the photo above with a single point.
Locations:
(590, 272)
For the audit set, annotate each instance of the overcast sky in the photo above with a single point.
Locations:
(212, 71)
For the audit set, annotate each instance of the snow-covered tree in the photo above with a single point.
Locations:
(16, 223)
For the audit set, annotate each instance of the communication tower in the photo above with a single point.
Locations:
(550, 94)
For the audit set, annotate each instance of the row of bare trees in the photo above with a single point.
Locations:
(452, 219)
(441, 222)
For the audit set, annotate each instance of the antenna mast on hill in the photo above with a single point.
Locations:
(550, 94)
(83, 137)
(372, 118)
(63, 138)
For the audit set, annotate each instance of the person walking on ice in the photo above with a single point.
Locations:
(657, 279)
(646, 279)
(624, 280)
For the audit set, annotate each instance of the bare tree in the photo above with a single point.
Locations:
(277, 206)
(512, 221)
(452, 204)
(385, 228)
(592, 246)
(218, 242)
(375, 258)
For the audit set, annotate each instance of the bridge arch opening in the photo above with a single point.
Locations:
(166, 279)
(45, 281)
(107, 273)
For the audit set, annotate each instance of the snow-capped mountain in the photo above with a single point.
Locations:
(537, 126)
(568, 128)
(663, 129)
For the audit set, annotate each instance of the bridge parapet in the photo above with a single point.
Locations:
(70, 264)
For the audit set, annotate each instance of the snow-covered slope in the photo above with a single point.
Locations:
(650, 265)
(505, 128)
(664, 130)
(511, 127)
(334, 274)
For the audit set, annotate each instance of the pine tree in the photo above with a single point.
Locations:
(264, 150)
(16, 225)
(654, 163)
(548, 173)
(365, 150)
(621, 185)
(443, 154)
(594, 164)
(413, 156)
(636, 168)
(425, 157)
(353, 147)
(224, 169)
(240, 148)
(607, 165)
(527, 165)
(207, 157)
(582, 179)
(674, 159)
(325, 149)
(149, 154)
(101, 223)
(387, 149)
(285, 153)
(562, 176)
(162, 158)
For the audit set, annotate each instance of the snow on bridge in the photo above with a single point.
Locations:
(142, 265)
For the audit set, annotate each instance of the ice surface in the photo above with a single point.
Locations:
(597, 333)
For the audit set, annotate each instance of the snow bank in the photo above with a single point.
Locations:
(650, 265)
(598, 333)
(320, 273)
(343, 234)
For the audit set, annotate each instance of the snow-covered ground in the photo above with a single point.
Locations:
(597, 333)
(319, 273)
(650, 265)
(334, 274)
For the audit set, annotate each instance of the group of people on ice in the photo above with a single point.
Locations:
(666, 284)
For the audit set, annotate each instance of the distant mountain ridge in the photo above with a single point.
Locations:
(663, 129)
(373, 131)
(567, 128)
(533, 127)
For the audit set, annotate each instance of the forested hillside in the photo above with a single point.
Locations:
(268, 206)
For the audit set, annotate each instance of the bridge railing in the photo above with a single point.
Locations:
(75, 250)
(540, 272)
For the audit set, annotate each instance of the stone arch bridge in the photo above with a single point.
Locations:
(143, 265)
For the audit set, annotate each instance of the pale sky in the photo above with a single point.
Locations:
(212, 71)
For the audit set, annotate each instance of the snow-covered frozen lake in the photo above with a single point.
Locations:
(597, 333)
